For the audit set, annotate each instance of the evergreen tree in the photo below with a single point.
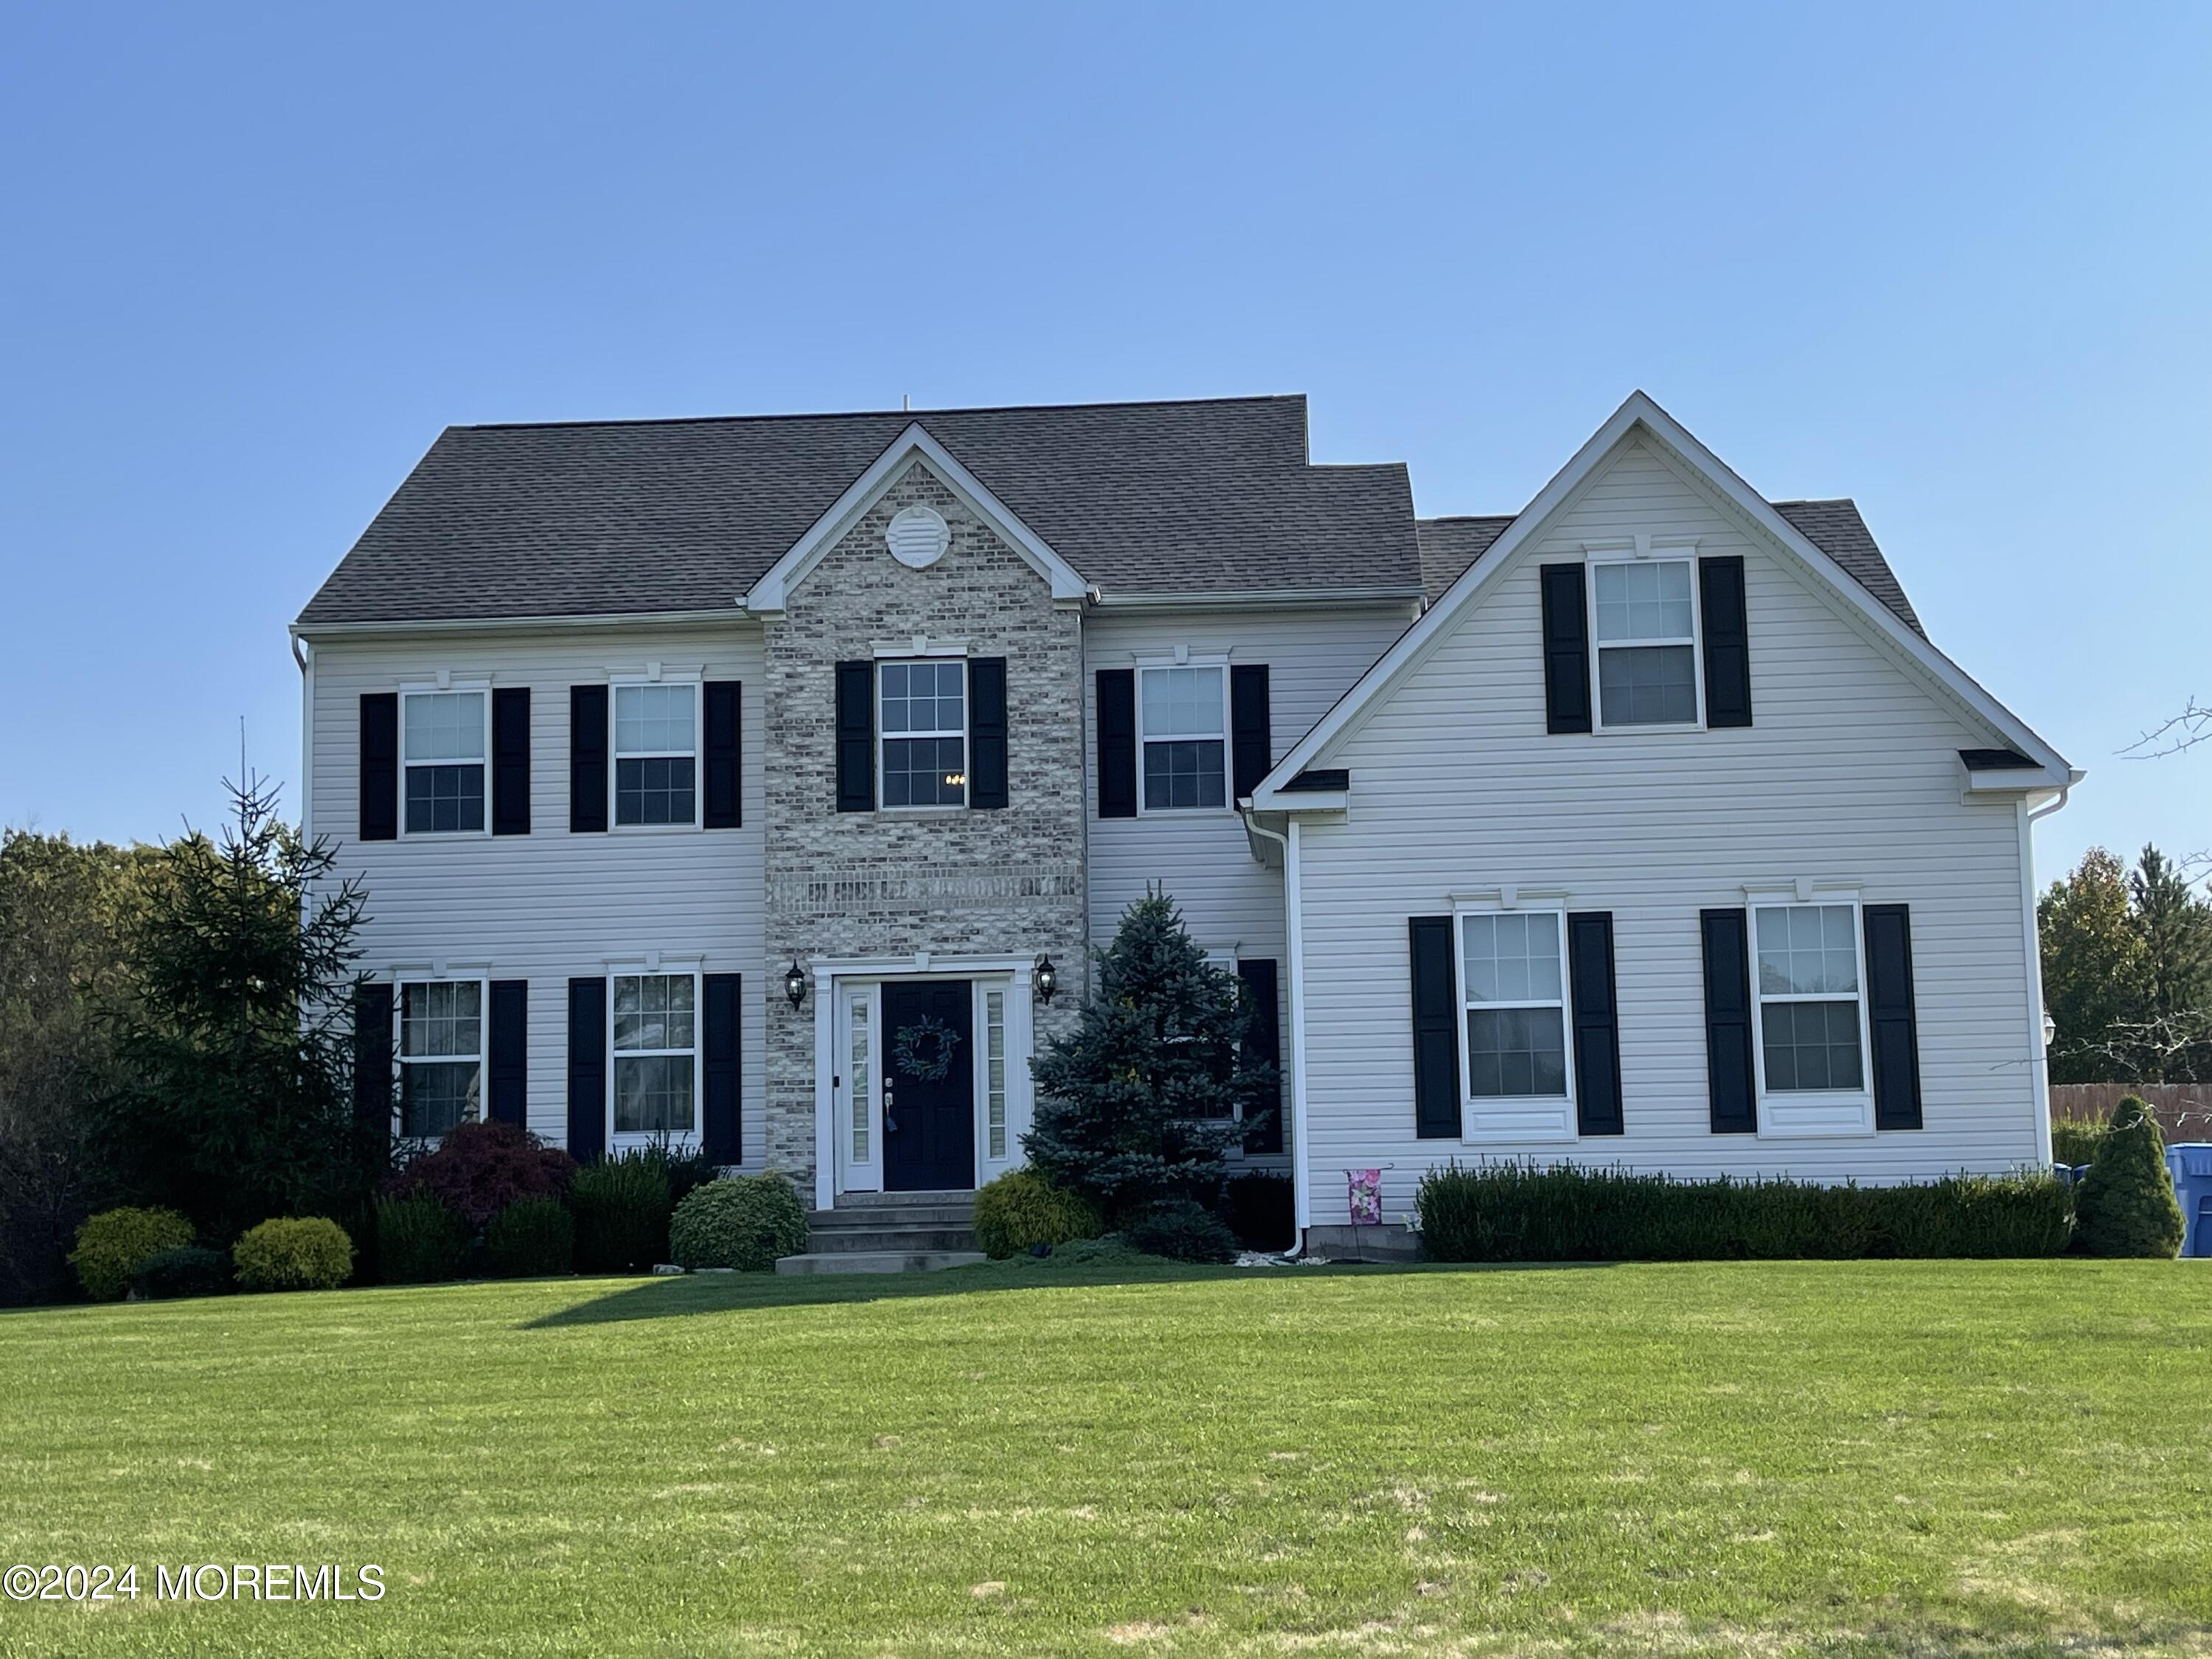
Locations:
(1136, 1104)
(2092, 969)
(2175, 927)
(236, 1040)
(2125, 1204)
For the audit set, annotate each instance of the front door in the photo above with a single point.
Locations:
(929, 1086)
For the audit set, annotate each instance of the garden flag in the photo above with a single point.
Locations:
(1365, 1187)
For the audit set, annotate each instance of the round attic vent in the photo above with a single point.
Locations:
(918, 536)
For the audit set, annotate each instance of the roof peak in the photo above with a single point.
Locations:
(881, 414)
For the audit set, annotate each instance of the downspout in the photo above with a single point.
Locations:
(304, 655)
(1294, 931)
(2038, 1053)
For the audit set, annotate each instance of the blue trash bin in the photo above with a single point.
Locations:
(2191, 1165)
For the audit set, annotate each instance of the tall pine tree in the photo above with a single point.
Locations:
(1137, 1104)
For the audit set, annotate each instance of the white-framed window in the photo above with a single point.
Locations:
(654, 1083)
(921, 711)
(656, 771)
(1182, 736)
(441, 1055)
(859, 1064)
(1808, 976)
(994, 1074)
(444, 737)
(1643, 615)
(1517, 1063)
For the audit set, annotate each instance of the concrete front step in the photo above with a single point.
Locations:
(830, 1241)
(904, 1215)
(878, 1261)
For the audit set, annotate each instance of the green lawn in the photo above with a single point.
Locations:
(1878, 1457)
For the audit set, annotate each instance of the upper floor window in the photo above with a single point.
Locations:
(442, 1031)
(655, 1055)
(1515, 990)
(656, 754)
(1182, 718)
(1808, 995)
(924, 721)
(443, 740)
(1647, 642)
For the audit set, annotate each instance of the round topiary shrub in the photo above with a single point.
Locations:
(745, 1223)
(1021, 1210)
(1183, 1229)
(190, 1271)
(2125, 1204)
(293, 1253)
(418, 1241)
(111, 1245)
(531, 1238)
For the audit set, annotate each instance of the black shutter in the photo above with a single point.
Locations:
(372, 1056)
(1890, 1017)
(1263, 1043)
(1117, 743)
(510, 761)
(1566, 649)
(1597, 1023)
(509, 1098)
(856, 737)
(380, 766)
(588, 1068)
(1729, 1075)
(1251, 735)
(723, 748)
(1727, 641)
(1436, 1028)
(587, 759)
(723, 1135)
(987, 732)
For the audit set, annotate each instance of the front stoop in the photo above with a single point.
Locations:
(888, 1233)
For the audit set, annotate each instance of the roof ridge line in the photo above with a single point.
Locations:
(872, 414)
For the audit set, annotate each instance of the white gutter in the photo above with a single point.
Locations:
(1294, 923)
(2038, 1053)
(1274, 599)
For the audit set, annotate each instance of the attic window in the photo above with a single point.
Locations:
(917, 537)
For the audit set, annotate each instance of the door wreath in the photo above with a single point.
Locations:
(924, 1049)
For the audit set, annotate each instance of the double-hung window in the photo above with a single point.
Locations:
(924, 720)
(1646, 633)
(441, 1056)
(656, 754)
(443, 739)
(1513, 989)
(656, 1054)
(1810, 1008)
(1182, 718)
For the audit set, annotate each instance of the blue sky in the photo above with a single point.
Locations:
(1952, 260)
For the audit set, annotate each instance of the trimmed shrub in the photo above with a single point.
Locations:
(745, 1222)
(1183, 1229)
(1261, 1211)
(1521, 1212)
(2126, 1202)
(621, 1208)
(190, 1271)
(2074, 1141)
(418, 1240)
(531, 1238)
(1021, 1209)
(293, 1253)
(111, 1245)
(479, 1169)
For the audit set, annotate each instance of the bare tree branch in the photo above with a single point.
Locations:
(2191, 727)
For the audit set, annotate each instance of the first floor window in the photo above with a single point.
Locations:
(1516, 1004)
(925, 727)
(994, 1071)
(654, 1051)
(860, 1063)
(442, 746)
(441, 1056)
(1647, 644)
(1808, 997)
(656, 754)
(1182, 718)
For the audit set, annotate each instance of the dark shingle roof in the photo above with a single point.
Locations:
(609, 517)
(1449, 546)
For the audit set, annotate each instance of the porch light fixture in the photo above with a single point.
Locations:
(1047, 979)
(794, 982)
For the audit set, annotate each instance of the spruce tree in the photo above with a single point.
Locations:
(1137, 1103)
(2125, 1204)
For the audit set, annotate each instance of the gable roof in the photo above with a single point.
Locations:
(615, 517)
(1888, 624)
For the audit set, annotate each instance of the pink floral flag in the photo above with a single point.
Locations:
(1365, 1188)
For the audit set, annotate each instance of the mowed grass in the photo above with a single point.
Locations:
(1877, 1457)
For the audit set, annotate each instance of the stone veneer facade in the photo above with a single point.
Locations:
(1010, 882)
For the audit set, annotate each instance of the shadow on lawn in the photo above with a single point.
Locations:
(708, 1293)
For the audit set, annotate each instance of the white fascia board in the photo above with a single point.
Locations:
(313, 631)
(1415, 644)
(767, 595)
(1336, 599)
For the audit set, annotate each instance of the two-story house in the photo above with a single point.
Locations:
(767, 782)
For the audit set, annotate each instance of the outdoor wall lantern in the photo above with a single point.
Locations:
(794, 982)
(1047, 979)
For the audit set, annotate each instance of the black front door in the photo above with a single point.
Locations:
(929, 1087)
